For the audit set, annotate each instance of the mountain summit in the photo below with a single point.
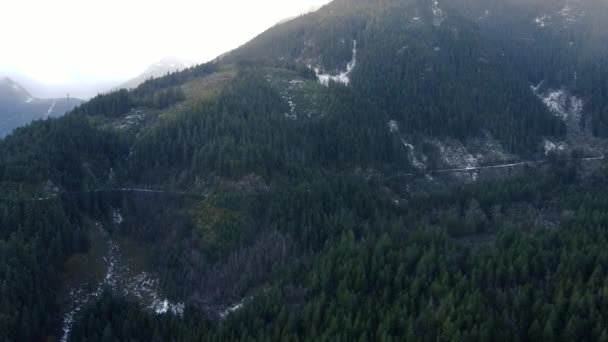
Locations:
(11, 89)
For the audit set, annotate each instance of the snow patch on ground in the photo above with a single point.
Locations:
(414, 22)
(234, 308)
(417, 163)
(50, 110)
(490, 151)
(456, 155)
(485, 15)
(556, 102)
(29, 100)
(116, 217)
(542, 21)
(566, 11)
(70, 317)
(438, 14)
(134, 119)
(463, 161)
(144, 288)
(343, 77)
(116, 279)
(80, 297)
(407, 145)
(162, 307)
(570, 14)
(554, 147)
(393, 126)
(288, 96)
(292, 110)
(560, 102)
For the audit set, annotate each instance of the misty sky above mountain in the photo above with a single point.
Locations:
(84, 41)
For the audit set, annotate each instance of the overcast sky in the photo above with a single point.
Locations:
(72, 41)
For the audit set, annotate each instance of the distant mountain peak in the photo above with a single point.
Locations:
(18, 107)
(13, 85)
(174, 62)
(12, 89)
(161, 68)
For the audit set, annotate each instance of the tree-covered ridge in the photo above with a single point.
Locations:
(69, 152)
(157, 93)
(447, 81)
(429, 68)
(120, 102)
(245, 130)
(562, 44)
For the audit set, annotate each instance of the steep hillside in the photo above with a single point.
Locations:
(575, 28)
(375, 170)
(420, 62)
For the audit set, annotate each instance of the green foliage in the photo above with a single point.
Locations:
(155, 93)
(569, 53)
(294, 226)
(113, 104)
(433, 80)
(69, 152)
(120, 102)
(35, 240)
(403, 280)
(207, 218)
(244, 130)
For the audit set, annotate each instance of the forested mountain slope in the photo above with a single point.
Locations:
(577, 29)
(420, 62)
(322, 182)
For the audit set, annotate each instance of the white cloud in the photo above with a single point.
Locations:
(69, 41)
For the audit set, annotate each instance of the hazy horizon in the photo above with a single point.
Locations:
(65, 43)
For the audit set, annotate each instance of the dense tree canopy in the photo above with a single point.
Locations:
(277, 208)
